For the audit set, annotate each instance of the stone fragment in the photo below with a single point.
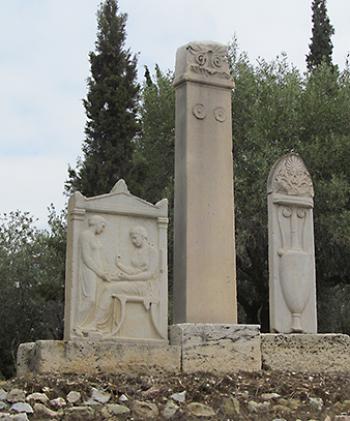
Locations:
(217, 348)
(100, 396)
(16, 395)
(37, 397)
(41, 410)
(24, 356)
(231, 406)
(316, 403)
(292, 279)
(58, 403)
(116, 409)
(258, 406)
(179, 396)
(3, 405)
(144, 409)
(169, 409)
(342, 418)
(281, 409)
(22, 407)
(93, 224)
(3, 395)
(204, 249)
(73, 397)
(200, 410)
(269, 396)
(20, 417)
(80, 413)
(123, 398)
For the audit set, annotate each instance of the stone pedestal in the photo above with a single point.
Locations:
(317, 353)
(89, 357)
(204, 252)
(217, 348)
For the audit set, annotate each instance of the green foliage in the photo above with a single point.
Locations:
(321, 47)
(111, 108)
(31, 282)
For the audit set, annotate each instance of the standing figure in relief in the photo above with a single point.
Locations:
(91, 273)
(136, 279)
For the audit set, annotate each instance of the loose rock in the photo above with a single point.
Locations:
(231, 406)
(200, 410)
(58, 403)
(73, 397)
(116, 409)
(22, 407)
(3, 405)
(316, 403)
(169, 409)
(257, 406)
(145, 409)
(37, 397)
(42, 411)
(269, 396)
(3, 395)
(123, 398)
(179, 397)
(16, 395)
(100, 396)
(80, 413)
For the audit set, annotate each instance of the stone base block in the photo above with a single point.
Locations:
(217, 348)
(66, 357)
(306, 352)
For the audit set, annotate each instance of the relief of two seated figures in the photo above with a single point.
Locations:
(123, 300)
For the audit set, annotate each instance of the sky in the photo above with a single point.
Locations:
(44, 66)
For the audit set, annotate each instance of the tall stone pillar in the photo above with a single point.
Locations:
(204, 248)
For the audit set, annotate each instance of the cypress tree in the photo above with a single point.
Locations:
(111, 108)
(321, 46)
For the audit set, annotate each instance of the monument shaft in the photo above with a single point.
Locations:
(204, 252)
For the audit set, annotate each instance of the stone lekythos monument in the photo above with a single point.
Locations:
(292, 284)
(204, 248)
(116, 270)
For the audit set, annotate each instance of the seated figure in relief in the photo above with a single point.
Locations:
(136, 279)
(91, 273)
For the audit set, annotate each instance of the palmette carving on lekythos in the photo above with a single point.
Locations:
(292, 283)
(116, 277)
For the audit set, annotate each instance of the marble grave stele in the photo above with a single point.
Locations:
(204, 245)
(292, 279)
(116, 268)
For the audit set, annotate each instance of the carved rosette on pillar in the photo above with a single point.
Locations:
(204, 249)
(292, 284)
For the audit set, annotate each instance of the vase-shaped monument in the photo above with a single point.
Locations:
(292, 286)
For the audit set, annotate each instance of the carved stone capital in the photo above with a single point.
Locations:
(289, 176)
(205, 63)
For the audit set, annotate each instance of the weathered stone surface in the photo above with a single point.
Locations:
(22, 407)
(79, 413)
(145, 409)
(100, 395)
(200, 410)
(306, 352)
(16, 395)
(24, 356)
(204, 249)
(116, 409)
(292, 279)
(218, 348)
(66, 357)
(169, 409)
(58, 403)
(3, 395)
(179, 396)
(37, 397)
(73, 397)
(41, 410)
(231, 406)
(116, 268)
